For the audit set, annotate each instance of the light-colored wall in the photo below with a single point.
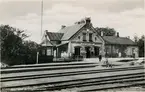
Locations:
(130, 51)
(82, 45)
(98, 42)
(63, 50)
(83, 30)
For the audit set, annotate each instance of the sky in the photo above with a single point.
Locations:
(125, 16)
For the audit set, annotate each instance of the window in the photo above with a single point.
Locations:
(90, 37)
(95, 38)
(43, 52)
(79, 37)
(48, 52)
(84, 36)
(133, 50)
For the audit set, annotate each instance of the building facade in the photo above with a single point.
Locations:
(116, 46)
(82, 40)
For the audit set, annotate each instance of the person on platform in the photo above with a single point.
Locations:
(100, 57)
(106, 62)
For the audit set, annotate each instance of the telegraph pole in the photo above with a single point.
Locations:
(41, 26)
(41, 17)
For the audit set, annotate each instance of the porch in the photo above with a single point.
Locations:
(72, 51)
(77, 51)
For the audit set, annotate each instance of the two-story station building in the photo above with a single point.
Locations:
(82, 40)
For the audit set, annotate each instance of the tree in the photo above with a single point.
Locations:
(10, 43)
(30, 49)
(14, 49)
(136, 38)
(140, 44)
(106, 31)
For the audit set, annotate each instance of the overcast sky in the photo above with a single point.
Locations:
(126, 16)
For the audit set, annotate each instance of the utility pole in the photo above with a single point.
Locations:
(41, 26)
(41, 17)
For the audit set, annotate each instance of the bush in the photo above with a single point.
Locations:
(14, 50)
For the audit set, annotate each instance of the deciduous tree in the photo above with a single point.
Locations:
(140, 44)
(14, 50)
(106, 31)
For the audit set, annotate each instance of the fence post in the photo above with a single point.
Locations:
(37, 61)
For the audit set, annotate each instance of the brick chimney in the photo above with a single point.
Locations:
(117, 34)
(63, 26)
(88, 20)
(128, 37)
(46, 31)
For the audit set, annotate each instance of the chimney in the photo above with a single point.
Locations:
(117, 34)
(128, 37)
(88, 20)
(102, 34)
(79, 22)
(46, 31)
(63, 26)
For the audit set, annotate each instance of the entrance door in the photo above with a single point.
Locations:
(88, 53)
(77, 50)
(96, 51)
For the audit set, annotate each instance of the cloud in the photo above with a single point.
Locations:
(13, 8)
(126, 16)
(137, 12)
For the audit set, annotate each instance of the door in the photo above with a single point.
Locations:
(88, 52)
(96, 51)
(77, 51)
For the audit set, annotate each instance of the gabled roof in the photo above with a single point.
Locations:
(69, 31)
(54, 36)
(118, 40)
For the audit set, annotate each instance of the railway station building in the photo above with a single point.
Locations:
(82, 40)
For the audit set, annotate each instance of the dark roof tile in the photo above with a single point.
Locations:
(54, 36)
(118, 40)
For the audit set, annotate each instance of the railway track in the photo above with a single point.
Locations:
(13, 78)
(15, 70)
(104, 81)
(79, 80)
(82, 85)
(46, 65)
